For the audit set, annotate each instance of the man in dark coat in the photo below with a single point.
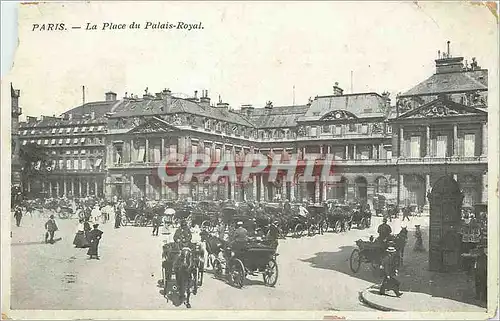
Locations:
(18, 215)
(406, 213)
(384, 230)
(480, 272)
(51, 228)
(156, 224)
(389, 271)
(239, 238)
(183, 235)
(94, 237)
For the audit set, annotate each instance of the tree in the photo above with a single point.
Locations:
(34, 161)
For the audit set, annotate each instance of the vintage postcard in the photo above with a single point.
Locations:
(251, 160)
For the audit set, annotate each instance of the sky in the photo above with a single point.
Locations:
(248, 53)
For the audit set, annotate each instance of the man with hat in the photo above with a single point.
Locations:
(18, 215)
(240, 238)
(419, 243)
(94, 238)
(389, 269)
(51, 228)
(384, 230)
(183, 235)
(480, 273)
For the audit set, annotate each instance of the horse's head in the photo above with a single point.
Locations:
(186, 258)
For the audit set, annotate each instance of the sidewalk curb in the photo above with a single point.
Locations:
(374, 305)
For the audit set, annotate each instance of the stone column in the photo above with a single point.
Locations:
(428, 141)
(455, 177)
(346, 157)
(80, 187)
(72, 187)
(233, 189)
(147, 150)
(401, 188)
(254, 186)
(283, 189)
(316, 192)
(132, 189)
(293, 185)
(427, 189)
(58, 188)
(381, 151)
(43, 187)
(455, 140)
(95, 187)
(29, 187)
(50, 188)
(259, 187)
(88, 188)
(329, 149)
(374, 152)
(162, 149)
(147, 187)
(323, 186)
(484, 189)
(65, 185)
(401, 142)
(132, 151)
(354, 152)
(484, 149)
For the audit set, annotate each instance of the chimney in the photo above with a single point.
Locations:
(158, 96)
(195, 94)
(92, 115)
(205, 100)
(31, 119)
(70, 116)
(386, 98)
(337, 91)
(446, 63)
(269, 105)
(223, 105)
(247, 109)
(166, 94)
(110, 96)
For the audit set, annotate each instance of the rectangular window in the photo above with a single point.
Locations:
(68, 140)
(25, 132)
(100, 128)
(337, 152)
(68, 164)
(314, 131)
(61, 164)
(98, 163)
(415, 147)
(91, 128)
(60, 141)
(172, 151)
(156, 154)
(25, 142)
(68, 152)
(352, 128)
(217, 154)
(32, 132)
(141, 154)
(53, 141)
(75, 129)
(441, 146)
(364, 129)
(46, 142)
(82, 140)
(75, 152)
(76, 163)
(469, 145)
(84, 164)
(326, 128)
(82, 151)
(208, 151)
(75, 141)
(54, 130)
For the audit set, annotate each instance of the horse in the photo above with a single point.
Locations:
(213, 245)
(184, 270)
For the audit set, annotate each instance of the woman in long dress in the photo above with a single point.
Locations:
(94, 237)
(80, 241)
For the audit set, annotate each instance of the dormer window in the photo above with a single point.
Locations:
(326, 128)
(313, 131)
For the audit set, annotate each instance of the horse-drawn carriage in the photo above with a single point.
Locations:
(338, 217)
(206, 215)
(255, 258)
(186, 265)
(361, 216)
(316, 219)
(374, 250)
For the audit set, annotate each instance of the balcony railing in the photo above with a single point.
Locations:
(444, 160)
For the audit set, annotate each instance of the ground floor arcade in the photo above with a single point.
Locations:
(68, 185)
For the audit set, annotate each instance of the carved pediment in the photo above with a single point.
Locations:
(338, 115)
(154, 125)
(441, 108)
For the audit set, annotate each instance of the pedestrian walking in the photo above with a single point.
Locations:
(18, 215)
(406, 213)
(156, 224)
(389, 271)
(50, 228)
(419, 243)
(95, 236)
(80, 241)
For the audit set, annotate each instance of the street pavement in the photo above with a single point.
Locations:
(314, 272)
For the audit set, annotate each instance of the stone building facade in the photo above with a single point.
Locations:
(436, 128)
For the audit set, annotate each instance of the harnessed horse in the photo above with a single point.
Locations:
(184, 269)
(213, 245)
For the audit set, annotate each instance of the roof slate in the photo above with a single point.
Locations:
(451, 82)
(364, 105)
(277, 117)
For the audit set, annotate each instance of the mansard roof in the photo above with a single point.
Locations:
(451, 82)
(277, 117)
(362, 105)
(148, 107)
(441, 108)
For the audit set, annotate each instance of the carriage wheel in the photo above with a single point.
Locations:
(338, 227)
(270, 274)
(298, 231)
(237, 273)
(137, 220)
(324, 226)
(355, 260)
(207, 226)
(217, 266)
